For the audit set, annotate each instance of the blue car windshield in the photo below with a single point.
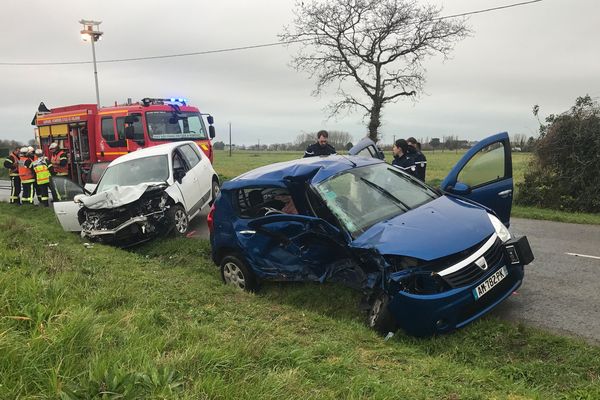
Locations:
(133, 172)
(362, 197)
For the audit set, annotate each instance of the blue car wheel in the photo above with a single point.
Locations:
(235, 272)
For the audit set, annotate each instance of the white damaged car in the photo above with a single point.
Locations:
(142, 194)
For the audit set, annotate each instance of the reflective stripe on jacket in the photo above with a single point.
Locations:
(25, 172)
(42, 173)
(60, 163)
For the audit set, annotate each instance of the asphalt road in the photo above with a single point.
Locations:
(560, 293)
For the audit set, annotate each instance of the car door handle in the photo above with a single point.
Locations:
(505, 193)
(247, 232)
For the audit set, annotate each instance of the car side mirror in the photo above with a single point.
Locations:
(129, 131)
(211, 131)
(179, 174)
(460, 189)
(210, 119)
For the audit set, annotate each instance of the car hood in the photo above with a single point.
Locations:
(442, 227)
(117, 196)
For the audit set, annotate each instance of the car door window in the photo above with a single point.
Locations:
(108, 130)
(368, 151)
(487, 165)
(178, 162)
(138, 127)
(190, 155)
(257, 202)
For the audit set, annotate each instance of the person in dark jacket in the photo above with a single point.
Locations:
(401, 159)
(321, 148)
(12, 164)
(414, 151)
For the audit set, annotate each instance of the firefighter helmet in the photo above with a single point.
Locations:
(38, 152)
(23, 150)
(53, 145)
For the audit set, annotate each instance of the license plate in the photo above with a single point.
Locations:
(490, 282)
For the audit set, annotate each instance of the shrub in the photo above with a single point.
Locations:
(565, 170)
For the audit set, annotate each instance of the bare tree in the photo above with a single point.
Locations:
(376, 45)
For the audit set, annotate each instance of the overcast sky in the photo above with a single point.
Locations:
(547, 53)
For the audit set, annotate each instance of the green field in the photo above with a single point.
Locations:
(438, 165)
(103, 323)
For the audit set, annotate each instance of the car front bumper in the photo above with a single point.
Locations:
(428, 314)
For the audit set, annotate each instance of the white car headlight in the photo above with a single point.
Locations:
(500, 229)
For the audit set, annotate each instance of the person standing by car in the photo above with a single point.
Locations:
(42, 177)
(321, 148)
(12, 164)
(414, 151)
(58, 167)
(26, 175)
(401, 158)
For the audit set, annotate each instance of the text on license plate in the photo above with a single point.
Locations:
(490, 282)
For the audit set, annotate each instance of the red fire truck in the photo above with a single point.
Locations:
(95, 136)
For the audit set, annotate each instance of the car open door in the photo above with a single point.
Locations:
(366, 148)
(66, 209)
(484, 175)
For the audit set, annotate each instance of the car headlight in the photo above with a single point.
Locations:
(500, 229)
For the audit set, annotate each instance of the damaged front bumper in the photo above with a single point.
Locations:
(428, 314)
(137, 228)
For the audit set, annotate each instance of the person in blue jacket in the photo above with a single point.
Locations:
(321, 148)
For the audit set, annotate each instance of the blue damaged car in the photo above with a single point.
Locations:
(428, 260)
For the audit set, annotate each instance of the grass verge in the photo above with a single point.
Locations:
(81, 323)
(555, 215)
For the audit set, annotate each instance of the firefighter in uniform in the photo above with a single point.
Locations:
(321, 148)
(42, 177)
(414, 151)
(59, 167)
(27, 176)
(12, 163)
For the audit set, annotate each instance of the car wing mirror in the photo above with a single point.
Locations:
(211, 131)
(460, 189)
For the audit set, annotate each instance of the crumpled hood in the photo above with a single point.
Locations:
(116, 196)
(437, 229)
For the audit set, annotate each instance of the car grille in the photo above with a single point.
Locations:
(472, 273)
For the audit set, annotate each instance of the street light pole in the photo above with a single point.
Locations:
(91, 30)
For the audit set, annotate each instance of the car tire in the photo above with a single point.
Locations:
(214, 191)
(180, 221)
(379, 317)
(235, 272)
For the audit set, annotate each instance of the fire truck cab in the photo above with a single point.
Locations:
(95, 136)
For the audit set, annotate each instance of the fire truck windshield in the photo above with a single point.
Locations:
(165, 125)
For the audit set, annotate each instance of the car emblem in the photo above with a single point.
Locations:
(482, 263)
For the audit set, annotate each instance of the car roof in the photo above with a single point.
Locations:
(161, 149)
(313, 169)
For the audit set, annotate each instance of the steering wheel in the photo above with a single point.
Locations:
(270, 211)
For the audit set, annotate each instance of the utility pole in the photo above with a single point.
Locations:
(230, 139)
